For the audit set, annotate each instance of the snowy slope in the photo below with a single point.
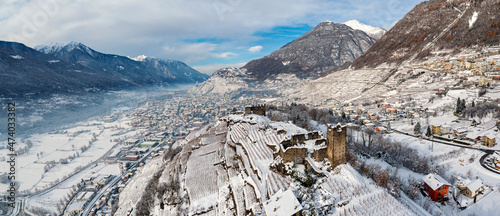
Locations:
(228, 173)
(374, 32)
(223, 81)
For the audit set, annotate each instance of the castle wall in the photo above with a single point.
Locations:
(257, 110)
(320, 154)
(298, 139)
(335, 150)
(291, 154)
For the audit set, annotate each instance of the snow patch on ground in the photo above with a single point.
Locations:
(473, 19)
(17, 57)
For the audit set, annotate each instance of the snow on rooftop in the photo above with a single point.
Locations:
(491, 134)
(474, 185)
(282, 203)
(435, 181)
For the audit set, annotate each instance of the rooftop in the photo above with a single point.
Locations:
(435, 181)
(474, 185)
(282, 203)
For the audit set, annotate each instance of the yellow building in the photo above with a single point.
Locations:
(488, 141)
(436, 129)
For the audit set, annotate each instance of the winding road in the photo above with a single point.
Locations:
(481, 160)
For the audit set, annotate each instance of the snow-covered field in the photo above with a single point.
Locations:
(96, 136)
(202, 177)
(49, 200)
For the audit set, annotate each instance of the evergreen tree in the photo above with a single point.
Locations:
(473, 104)
(459, 106)
(474, 123)
(429, 132)
(417, 128)
(463, 105)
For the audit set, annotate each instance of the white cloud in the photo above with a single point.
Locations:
(211, 68)
(255, 49)
(226, 55)
(172, 29)
(130, 27)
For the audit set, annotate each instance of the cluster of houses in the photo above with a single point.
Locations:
(478, 71)
(484, 133)
(181, 115)
(470, 131)
(438, 189)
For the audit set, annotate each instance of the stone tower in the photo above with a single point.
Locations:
(336, 144)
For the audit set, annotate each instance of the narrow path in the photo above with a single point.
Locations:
(460, 15)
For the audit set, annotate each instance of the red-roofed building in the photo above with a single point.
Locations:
(436, 186)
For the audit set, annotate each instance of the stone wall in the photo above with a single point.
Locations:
(299, 139)
(320, 154)
(257, 110)
(291, 154)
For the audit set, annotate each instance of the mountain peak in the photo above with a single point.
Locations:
(327, 46)
(374, 32)
(353, 22)
(68, 47)
(417, 36)
(140, 58)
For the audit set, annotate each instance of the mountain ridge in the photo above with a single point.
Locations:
(372, 31)
(25, 70)
(324, 49)
(146, 72)
(417, 35)
(74, 67)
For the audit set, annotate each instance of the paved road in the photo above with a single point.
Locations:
(18, 204)
(481, 160)
(113, 182)
(446, 143)
(99, 195)
(17, 208)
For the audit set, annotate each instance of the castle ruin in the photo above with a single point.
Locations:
(257, 110)
(312, 145)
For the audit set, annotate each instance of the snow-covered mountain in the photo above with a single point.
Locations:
(140, 71)
(324, 49)
(444, 27)
(374, 32)
(327, 46)
(414, 54)
(27, 71)
(222, 81)
(60, 50)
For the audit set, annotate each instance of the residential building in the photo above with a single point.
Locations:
(436, 187)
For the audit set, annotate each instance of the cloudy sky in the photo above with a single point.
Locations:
(206, 34)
